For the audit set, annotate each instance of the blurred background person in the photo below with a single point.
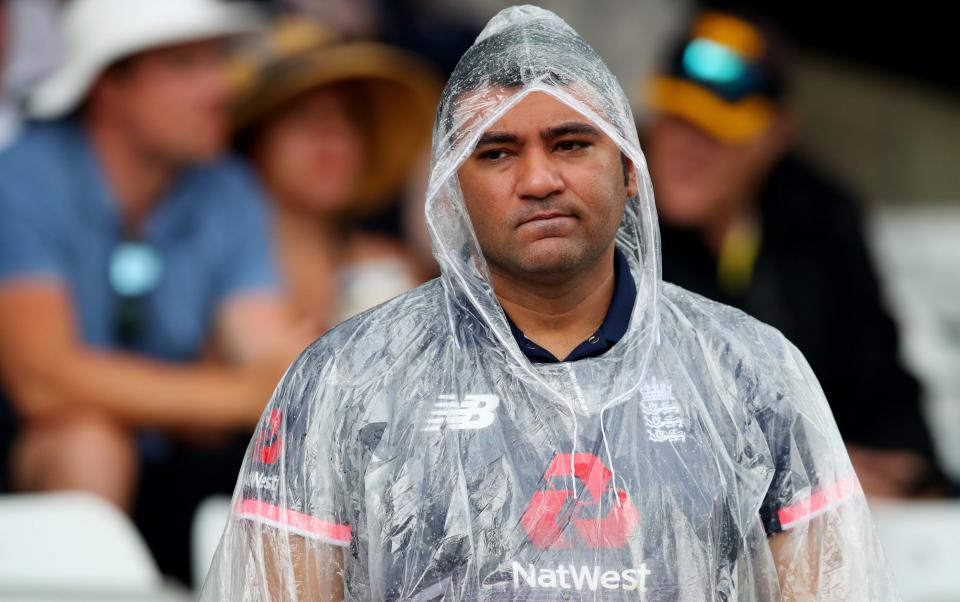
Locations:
(334, 129)
(9, 121)
(746, 221)
(141, 330)
(437, 30)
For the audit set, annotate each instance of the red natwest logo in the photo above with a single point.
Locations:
(550, 510)
(269, 441)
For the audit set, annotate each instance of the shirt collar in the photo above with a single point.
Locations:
(614, 325)
(175, 209)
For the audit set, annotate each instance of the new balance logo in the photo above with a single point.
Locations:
(474, 412)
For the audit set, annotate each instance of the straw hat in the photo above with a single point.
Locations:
(97, 33)
(401, 91)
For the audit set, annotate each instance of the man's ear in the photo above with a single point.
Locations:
(630, 177)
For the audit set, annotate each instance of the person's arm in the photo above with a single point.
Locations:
(45, 364)
(46, 367)
(887, 436)
(896, 473)
(253, 324)
(831, 553)
(815, 561)
(282, 567)
(257, 327)
(289, 521)
(819, 530)
(798, 561)
(316, 568)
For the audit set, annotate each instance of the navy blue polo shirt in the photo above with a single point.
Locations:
(610, 332)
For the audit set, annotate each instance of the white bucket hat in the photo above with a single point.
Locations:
(97, 33)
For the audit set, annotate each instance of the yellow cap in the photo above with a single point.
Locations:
(733, 122)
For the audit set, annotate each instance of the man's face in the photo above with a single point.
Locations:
(698, 178)
(173, 100)
(545, 190)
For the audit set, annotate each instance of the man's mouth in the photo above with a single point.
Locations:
(545, 215)
(548, 224)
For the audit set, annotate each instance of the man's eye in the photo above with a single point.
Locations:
(572, 145)
(493, 155)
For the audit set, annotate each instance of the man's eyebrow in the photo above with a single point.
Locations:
(492, 137)
(571, 128)
(564, 129)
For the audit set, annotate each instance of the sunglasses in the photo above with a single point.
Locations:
(722, 70)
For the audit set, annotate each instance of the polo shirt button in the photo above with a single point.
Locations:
(593, 339)
(531, 347)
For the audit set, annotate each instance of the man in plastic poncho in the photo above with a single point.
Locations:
(435, 448)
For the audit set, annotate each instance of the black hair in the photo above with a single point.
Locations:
(486, 64)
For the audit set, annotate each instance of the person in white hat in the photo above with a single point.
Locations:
(131, 253)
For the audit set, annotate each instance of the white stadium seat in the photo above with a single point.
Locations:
(918, 253)
(73, 546)
(922, 543)
(208, 523)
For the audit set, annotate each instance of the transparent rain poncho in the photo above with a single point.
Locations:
(414, 453)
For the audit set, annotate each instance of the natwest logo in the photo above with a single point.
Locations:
(580, 578)
(269, 442)
(263, 481)
(603, 517)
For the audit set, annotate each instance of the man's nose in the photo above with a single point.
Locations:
(539, 176)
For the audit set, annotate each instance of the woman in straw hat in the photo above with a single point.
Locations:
(333, 128)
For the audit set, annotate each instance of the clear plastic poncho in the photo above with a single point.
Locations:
(414, 453)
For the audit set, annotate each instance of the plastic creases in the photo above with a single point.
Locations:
(414, 453)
